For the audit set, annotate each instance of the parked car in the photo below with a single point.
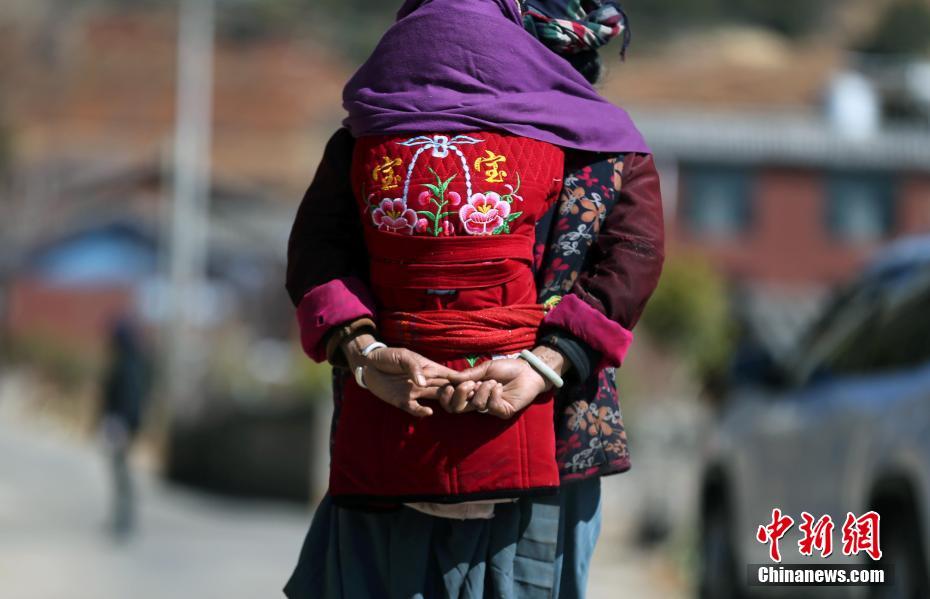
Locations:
(842, 425)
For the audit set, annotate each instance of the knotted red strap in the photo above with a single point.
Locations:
(451, 334)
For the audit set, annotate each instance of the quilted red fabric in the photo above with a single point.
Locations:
(449, 227)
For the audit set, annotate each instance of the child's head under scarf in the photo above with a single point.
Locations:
(469, 65)
(577, 29)
(573, 26)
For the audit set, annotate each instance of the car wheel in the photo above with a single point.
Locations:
(901, 549)
(719, 575)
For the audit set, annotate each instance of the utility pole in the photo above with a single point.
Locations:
(190, 210)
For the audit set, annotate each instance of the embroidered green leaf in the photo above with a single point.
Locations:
(552, 302)
(505, 226)
(442, 189)
(472, 360)
(440, 184)
(439, 201)
(369, 207)
(509, 197)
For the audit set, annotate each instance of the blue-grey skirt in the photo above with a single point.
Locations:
(537, 548)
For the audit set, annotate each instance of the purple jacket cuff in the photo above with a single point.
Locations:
(328, 305)
(605, 336)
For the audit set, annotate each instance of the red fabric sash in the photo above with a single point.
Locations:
(447, 262)
(447, 250)
(451, 334)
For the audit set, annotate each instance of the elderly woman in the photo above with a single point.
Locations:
(432, 227)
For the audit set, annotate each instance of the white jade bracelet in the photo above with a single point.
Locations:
(542, 368)
(360, 370)
(360, 377)
(372, 347)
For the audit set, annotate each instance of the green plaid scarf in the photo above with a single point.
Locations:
(572, 26)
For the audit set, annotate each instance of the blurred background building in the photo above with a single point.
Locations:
(793, 140)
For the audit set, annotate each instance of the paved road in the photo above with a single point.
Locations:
(53, 543)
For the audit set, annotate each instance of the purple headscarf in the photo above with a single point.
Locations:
(467, 65)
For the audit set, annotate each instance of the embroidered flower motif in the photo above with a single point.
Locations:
(569, 197)
(570, 243)
(577, 415)
(617, 177)
(393, 216)
(598, 421)
(568, 283)
(454, 198)
(554, 274)
(590, 438)
(436, 198)
(590, 210)
(587, 177)
(565, 446)
(539, 252)
(484, 213)
(513, 192)
(617, 448)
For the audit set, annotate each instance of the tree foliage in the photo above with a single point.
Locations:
(789, 17)
(904, 28)
(689, 316)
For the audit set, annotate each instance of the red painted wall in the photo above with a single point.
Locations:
(788, 240)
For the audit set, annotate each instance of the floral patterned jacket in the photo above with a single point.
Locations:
(603, 241)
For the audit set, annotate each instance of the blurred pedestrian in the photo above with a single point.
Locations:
(125, 392)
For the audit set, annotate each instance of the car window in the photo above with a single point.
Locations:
(896, 337)
(845, 320)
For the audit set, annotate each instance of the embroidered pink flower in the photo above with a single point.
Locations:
(422, 226)
(423, 199)
(447, 229)
(513, 192)
(394, 216)
(454, 198)
(483, 213)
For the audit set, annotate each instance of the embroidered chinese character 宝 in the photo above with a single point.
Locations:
(384, 173)
(491, 165)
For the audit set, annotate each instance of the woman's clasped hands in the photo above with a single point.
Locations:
(411, 382)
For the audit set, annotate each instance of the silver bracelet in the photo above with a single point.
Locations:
(542, 368)
(360, 377)
(372, 347)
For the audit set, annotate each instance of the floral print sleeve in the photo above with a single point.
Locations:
(590, 436)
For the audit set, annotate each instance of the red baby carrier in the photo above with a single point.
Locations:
(449, 227)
